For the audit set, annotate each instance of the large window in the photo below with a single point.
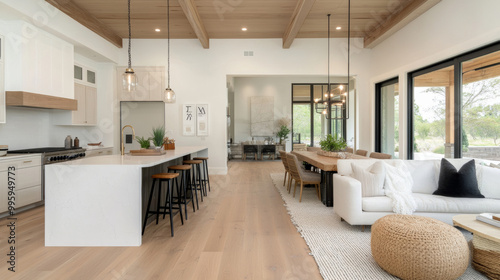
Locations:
(309, 125)
(455, 107)
(387, 117)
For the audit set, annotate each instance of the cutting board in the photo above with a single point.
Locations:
(147, 152)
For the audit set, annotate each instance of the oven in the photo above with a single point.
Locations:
(52, 155)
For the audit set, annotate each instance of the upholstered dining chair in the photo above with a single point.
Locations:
(313, 149)
(349, 150)
(300, 147)
(283, 156)
(361, 152)
(380, 155)
(302, 176)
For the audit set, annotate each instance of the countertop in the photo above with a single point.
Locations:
(142, 161)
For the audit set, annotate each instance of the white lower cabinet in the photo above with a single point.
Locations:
(27, 180)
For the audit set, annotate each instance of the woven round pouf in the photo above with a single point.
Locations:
(414, 247)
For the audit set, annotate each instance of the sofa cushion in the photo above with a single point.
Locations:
(424, 174)
(377, 204)
(435, 204)
(445, 204)
(344, 165)
(490, 186)
(372, 178)
(461, 183)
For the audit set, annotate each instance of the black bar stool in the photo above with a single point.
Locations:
(163, 177)
(185, 171)
(196, 180)
(206, 178)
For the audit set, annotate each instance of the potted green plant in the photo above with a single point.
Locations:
(143, 142)
(283, 133)
(158, 135)
(332, 146)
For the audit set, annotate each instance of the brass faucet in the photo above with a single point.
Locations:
(123, 142)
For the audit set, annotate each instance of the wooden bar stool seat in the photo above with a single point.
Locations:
(162, 209)
(196, 176)
(184, 170)
(206, 177)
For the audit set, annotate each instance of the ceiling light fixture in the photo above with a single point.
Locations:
(157, 29)
(129, 77)
(338, 28)
(336, 106)
(168, 94)
(244, 29)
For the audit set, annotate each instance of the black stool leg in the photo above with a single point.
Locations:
(169, 191)
(147, 208)
(206, 172)
(179, 201)
(159, 201)
(196, 174)
(193, 185)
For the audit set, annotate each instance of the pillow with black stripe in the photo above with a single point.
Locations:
(461, 183)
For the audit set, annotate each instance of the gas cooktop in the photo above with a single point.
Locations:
(43, 150)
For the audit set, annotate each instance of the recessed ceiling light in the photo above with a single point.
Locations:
(157, 29)
(338, 28)
(244, 29)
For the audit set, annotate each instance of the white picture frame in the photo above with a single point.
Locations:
(202, 119)
(188, 120)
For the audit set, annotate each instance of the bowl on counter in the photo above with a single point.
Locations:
(3, 150)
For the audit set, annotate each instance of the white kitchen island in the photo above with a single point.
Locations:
(98, 201)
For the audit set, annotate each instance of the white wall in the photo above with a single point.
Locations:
(200, 75)
(450, 28)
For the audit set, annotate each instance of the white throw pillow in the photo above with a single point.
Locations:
(490, 186)
(423, 173)
(371, 178)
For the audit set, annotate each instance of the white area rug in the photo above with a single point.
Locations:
(340, 250)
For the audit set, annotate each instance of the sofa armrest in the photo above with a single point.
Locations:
(347, 199)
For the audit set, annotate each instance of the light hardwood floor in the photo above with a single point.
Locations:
(242, 231)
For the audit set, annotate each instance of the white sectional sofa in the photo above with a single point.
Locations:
(357, 210)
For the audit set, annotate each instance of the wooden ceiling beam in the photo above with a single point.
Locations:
(397, 21)
(191, 12)
(298, 17)
(88, 20)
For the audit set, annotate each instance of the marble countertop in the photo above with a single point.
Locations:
(142, 161)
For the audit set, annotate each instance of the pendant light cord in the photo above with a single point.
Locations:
(168, 43)
(348, 48)
(129, 38)
(329, 86)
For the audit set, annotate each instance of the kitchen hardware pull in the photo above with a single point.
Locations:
(27, 161)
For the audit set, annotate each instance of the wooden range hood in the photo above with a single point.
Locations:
(35, 100)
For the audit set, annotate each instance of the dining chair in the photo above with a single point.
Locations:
(380, 155)
(313, 149)
(349, 150)
(283, 156)
(302, 176)
(361, 152)
(300, 147)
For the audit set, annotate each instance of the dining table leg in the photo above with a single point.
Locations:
(327, 187)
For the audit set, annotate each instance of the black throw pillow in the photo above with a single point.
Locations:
(462, 183)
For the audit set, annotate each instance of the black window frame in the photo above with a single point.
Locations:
(457, 62)
(378, 110)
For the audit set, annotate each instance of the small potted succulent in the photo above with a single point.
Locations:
(333, 146)
(145, 143)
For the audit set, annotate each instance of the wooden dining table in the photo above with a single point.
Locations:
(328, 167)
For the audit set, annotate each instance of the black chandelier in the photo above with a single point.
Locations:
(334, 103)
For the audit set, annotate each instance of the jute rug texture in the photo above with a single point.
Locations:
(341, 251)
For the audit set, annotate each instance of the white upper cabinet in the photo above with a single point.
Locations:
(150, 84)
(40, 63)
(2, 81)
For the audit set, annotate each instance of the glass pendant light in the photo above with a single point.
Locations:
(168, 94)
(129, 77)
